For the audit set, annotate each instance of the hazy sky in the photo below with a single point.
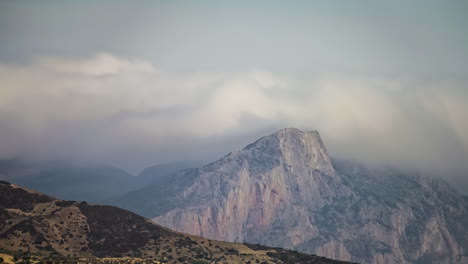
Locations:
(142, 82)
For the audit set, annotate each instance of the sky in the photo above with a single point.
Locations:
(136, 83)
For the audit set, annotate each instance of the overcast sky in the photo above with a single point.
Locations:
(143, 82)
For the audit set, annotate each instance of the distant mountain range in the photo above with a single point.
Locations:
(35, 223)
(84, 182)
(284, 190)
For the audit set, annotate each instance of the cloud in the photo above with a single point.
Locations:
(102, 64)
(128, 112)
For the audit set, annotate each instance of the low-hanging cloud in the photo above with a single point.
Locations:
(127, 112)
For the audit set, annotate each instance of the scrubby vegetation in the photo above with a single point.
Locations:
(39, 229)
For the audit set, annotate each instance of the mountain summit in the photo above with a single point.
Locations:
(284, 190)
(296, 147)
(250, 193)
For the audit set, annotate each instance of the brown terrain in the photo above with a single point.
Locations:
(36, 228)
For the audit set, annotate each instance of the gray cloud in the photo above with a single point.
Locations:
(127, 112)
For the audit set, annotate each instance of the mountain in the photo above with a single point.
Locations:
(84, 182)
(90, 182)
(284, 190)
(160, 172)
(39, 224)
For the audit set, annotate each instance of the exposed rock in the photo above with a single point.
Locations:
(283, 190)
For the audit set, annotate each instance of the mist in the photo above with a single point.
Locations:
(136, 84)
(128, 113)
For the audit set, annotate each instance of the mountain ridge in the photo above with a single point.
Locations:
(285, 190)
(97, 183)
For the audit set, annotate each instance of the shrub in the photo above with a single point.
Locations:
(199, 261)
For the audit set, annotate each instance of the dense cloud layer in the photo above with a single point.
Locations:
(126, 112)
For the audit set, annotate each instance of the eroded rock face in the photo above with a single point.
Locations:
(284, 191)
(244, 195)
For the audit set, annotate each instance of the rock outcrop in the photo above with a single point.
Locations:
(248, 194)
(285, 191)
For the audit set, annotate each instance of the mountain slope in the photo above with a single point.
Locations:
(39, 224)
(284, 190)
(156, 173)
(87, 182)
(68, 180)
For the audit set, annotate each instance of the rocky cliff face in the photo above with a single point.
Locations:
(284, 190)
(273, 182)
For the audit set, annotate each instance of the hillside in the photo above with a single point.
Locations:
(42, 225)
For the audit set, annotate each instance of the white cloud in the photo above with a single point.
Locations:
(101, 65)
(106, 106)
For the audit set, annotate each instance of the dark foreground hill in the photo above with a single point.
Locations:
(42, 225)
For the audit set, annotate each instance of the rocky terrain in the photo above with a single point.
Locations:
(36, 228)
(285, 191)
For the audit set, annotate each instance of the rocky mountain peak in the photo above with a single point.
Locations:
(282, 190)
(250, 191)
(295, 148)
